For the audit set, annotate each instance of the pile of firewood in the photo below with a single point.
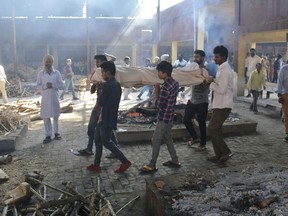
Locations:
(9, 120)
(31, 108)
(70, 201)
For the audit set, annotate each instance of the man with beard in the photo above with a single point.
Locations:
(198, 105)
(49, 81)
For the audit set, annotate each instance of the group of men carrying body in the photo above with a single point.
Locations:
(103, 120)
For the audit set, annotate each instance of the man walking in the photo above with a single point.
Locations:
(222, 104)
(95, 112)
(68, 76)
(49, 81)
(198, 105)
(255, 85)
(283, 96)
(250, 65)
(107, 121)
(165, 103)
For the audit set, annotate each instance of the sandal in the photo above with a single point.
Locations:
(148, 168)
(171, 164)
(57, 136)
(224, 158)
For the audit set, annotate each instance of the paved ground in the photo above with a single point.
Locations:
(57, 163)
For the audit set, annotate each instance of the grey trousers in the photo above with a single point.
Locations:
(215, 131)
(162, 132)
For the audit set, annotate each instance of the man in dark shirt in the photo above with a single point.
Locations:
(277, 66)
(107, 121)
(165, 103)
(198, 105)
(95, 112)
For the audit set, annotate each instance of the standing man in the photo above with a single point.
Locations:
(198, 105)
(107, 121)
(250, 65)
(126, 91)
(180, 62)
(222, 104)
(283, 96)
(68, 76)
(49, 81)
(255, 85)
(165, 103)
(277, 66)
(3, 81)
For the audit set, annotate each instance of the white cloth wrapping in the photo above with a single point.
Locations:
(141, 76)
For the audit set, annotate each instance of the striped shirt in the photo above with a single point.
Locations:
(167, 100)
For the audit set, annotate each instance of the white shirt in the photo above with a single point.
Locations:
(250, 63)
(223, 87)
(190, 66)
(179, 63)
(3, 77)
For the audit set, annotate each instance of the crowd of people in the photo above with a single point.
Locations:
(103, 119)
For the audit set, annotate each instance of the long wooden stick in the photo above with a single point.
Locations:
(50, 186)
(56, 203)
(134, 199)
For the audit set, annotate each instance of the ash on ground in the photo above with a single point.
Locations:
(261, 192)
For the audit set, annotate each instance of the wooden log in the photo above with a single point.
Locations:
(56, 203)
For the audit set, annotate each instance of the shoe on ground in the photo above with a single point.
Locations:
(47, 140)
(201, 148)
(193, 142)
(148, 168)
(213, 159)
(57, 136)
(94, 168)
(249, 95)
(224, 158)
(123, 167)
(111, 156)
(86, 152)
(75, 98)
(171, 163)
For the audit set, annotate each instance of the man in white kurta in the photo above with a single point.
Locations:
(49, 81)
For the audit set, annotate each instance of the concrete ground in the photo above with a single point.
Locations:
(57, 163)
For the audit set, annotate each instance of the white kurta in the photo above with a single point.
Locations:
(50, 106)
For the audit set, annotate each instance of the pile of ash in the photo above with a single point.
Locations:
(257, 191)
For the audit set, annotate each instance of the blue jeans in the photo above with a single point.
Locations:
(103, 138)
(91, 130)
(69, 84)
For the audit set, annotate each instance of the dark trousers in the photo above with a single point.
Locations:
(103, 138)
(201, 110)
(91, 130)
(215, 131)
(253, 106)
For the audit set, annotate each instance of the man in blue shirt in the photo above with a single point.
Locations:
(277, 65)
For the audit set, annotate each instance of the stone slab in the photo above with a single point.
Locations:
(8, 143)
(242, 126)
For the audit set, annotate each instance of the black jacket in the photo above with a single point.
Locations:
(109, 101)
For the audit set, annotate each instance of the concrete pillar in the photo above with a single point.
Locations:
(174, 51)
(47, 49)
(201, 30)
(241, 65)
(154, 51)
(55, 55)
(134, 55)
